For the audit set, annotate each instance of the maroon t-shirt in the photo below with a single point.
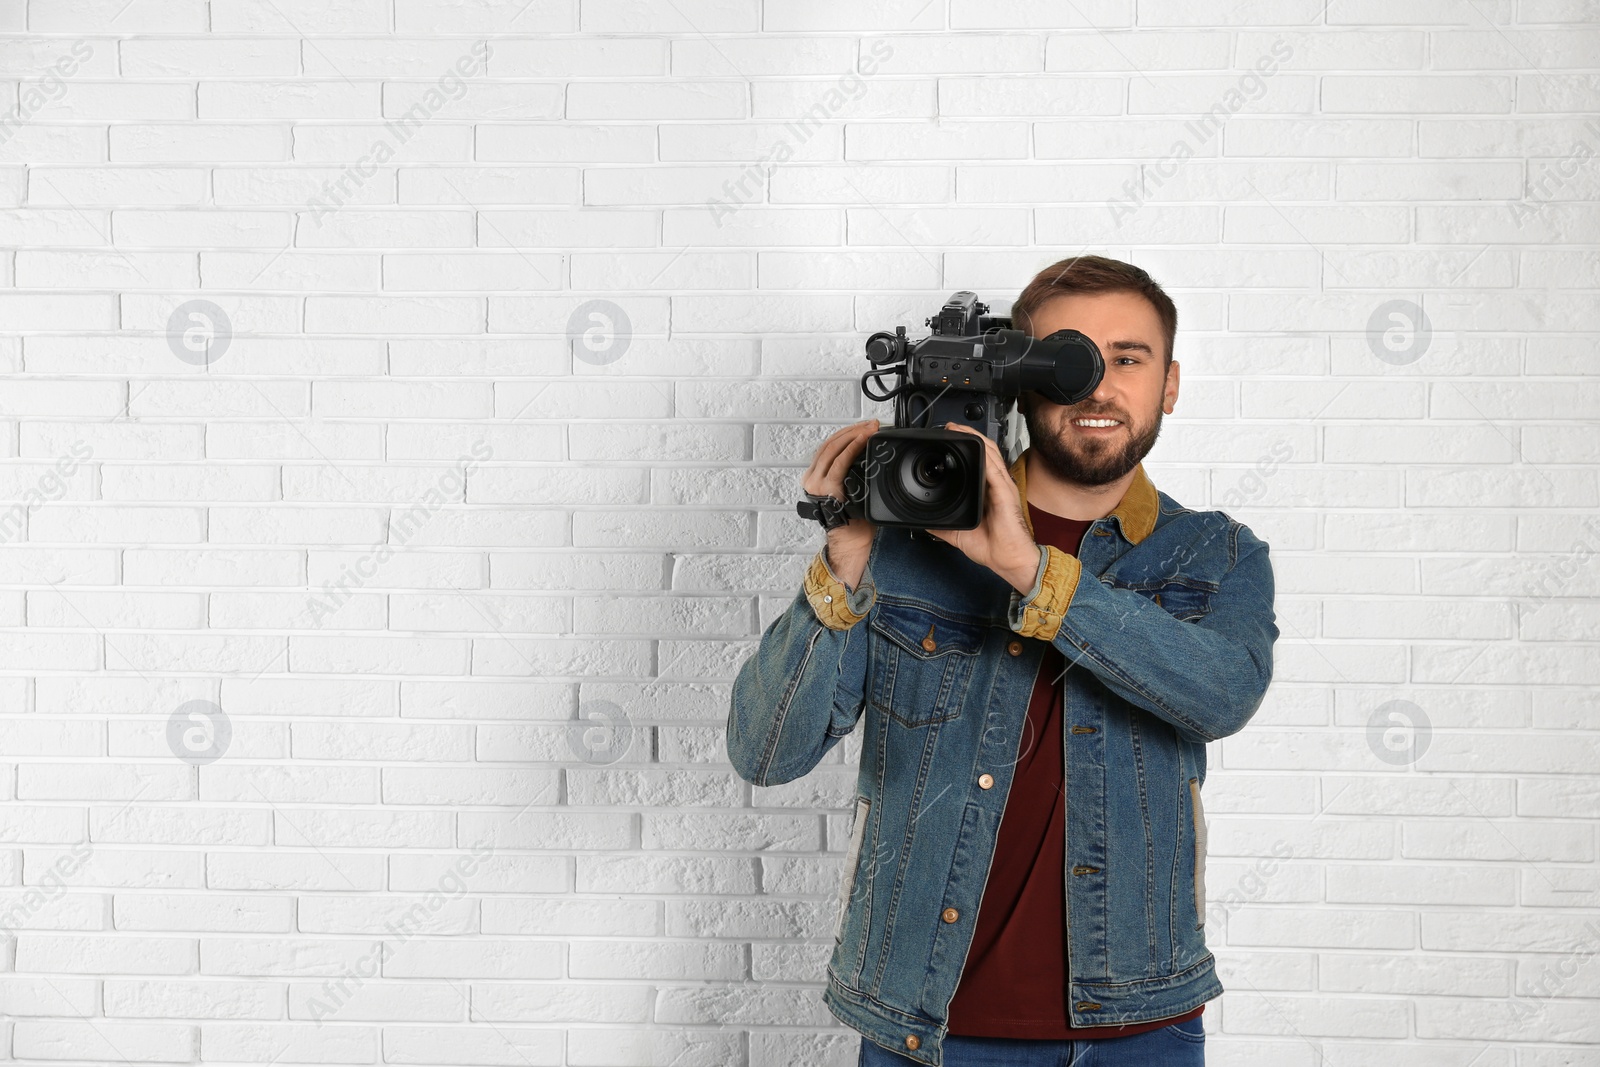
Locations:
(1014, 983)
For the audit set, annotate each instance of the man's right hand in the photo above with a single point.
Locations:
(850, 544)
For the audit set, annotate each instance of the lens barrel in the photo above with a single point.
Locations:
(1064, 367)
(926, 479)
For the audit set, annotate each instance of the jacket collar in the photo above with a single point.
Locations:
(1135, 513)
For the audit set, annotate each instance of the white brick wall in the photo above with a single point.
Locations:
(405, 532)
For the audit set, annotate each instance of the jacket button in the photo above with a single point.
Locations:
(985, 781)
(913, 1042)
(828, 599)
(1015, 648)
(950, 915)
(929, 644)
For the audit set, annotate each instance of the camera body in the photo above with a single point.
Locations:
(969, 371)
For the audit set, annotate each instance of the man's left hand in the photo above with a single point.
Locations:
(1001, 541)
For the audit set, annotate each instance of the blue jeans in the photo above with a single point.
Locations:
(1177, 1045)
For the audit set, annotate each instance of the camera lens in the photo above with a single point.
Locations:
(930, 479)
(931, 468)
(933, 481)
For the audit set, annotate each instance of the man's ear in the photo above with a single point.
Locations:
(1169, 391)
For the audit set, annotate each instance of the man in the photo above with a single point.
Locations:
(1025, 874)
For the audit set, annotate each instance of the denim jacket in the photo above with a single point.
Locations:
(1166, 623)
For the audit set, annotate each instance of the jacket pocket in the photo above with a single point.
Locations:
(1183, 600)
(921, 661)
(852, 858)
(1199, 853)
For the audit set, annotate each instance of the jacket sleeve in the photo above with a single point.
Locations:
(1206, 677)
(803, 689)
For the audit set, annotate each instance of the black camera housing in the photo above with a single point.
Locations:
(929, 479)
(969, 371)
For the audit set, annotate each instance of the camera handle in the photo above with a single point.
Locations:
(826, 510)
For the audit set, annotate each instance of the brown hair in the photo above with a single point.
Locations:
(1094, 274)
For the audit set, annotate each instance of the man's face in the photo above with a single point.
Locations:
(1136, 390)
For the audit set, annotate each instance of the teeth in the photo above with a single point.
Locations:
(1096, 422)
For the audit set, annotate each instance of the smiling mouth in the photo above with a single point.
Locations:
(1096, 424)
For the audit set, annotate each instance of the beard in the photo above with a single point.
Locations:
(1087, 461)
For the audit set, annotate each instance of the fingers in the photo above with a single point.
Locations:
(1000, 475)
(1001, 507)
(838, 439)
(994, 469)
(1002, 502)
(852, 449)
(826, 452)
(849, 431)
(834, 456)
(988, 442)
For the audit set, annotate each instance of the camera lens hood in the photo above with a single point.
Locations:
(1064, 367)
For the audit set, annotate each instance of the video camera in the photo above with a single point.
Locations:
(970, 370)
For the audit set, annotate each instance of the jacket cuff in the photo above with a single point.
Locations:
(1039, 614)
(836, 607)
